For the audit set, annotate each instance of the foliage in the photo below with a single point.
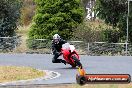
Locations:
(27, 12)
(111, 36)
(96, 32)
(89, 32)
(56, 16)
(9, 14)
(114, 12)
(84, 3)
(110, 10)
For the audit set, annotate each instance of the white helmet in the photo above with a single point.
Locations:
(56, 38)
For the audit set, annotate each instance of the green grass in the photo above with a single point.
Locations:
(13, 73)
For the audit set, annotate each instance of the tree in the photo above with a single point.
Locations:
(56, 16)
(114, 13)
(110, 10)
(85, 2)
(130, 23)
(89, 4)
(27, 12)
(9, 14)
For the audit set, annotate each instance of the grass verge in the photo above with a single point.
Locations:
(13, 73)
(23, 32)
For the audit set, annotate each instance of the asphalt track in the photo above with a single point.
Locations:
(92, 64)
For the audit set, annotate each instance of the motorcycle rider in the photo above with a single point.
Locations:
(57, 43)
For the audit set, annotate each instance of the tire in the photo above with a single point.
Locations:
(81, 80)
(77, 62)
(73, 66)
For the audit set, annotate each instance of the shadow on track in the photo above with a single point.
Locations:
(69, 68)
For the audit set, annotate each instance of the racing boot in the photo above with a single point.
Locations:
(63, 61)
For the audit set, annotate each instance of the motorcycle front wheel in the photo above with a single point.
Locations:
(77, 62)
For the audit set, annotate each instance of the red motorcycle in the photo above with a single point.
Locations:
(70, 55)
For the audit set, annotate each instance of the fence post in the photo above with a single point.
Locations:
(88, 48)
(126, 48)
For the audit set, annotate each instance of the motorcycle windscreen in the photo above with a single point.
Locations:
(66, 46)
(72, 48)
